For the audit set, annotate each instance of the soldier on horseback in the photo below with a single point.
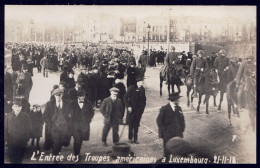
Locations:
(221, 63)
(169, 60)
(245, 79)
(198, 65)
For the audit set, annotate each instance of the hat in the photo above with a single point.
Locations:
(120, 149)
(178, 146)
(71, 72)
(55, 87)
(201, 53)
(57, 92)
(81, 92)
(139, 79)
(114, 89)
(222, 52)
(17, 101)
(24, 67)
(174, 96)
(36, 105)
(173, 48)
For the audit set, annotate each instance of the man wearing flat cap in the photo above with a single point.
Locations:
(82, 114)
(170, 120)
(57, 116)
(111, 108)
(198, 66)
(135, 102)
(18, 128)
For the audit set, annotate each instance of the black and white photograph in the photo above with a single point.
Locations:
(130, 84)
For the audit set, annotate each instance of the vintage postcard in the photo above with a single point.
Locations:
(96, 84)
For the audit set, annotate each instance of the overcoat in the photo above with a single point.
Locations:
(17, 129)
(170, 123)
(136, 99)
(81, 118)
(49, 117)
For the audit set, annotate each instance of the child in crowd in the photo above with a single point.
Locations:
(37, 125)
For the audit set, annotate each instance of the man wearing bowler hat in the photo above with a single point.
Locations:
(135, 102)
(18, 128)
(111, 108)
(82, 114)
(170, 120)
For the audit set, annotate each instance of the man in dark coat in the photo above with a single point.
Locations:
(25, 79)
(81, 117)
(143, 61)
(64, 74)
(70, 81)
(111, 109)
(135, 102)
(170, 120)
(8, 90)
(82, 114)
(57, 116)
(198, 66)
(221, 64)
(15, 60)
(17, 132)
(131, 73)
(38, 58)
(73, 91)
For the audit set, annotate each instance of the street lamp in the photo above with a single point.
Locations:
(148, 30)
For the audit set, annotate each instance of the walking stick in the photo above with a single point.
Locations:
(122, 132)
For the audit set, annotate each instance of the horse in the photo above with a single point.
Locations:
(207, 85)
(174, 73)
(249, 98)
(225, 78)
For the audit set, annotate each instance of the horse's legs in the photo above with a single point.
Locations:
(191, 105)
(221, 99)
(230, 104)
(207, 96)
(161, 82)
(215, 104)
(188, 96)
(198, 107)
(169, 86)
(252, 116)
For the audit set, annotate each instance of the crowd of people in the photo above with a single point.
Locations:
(100, 82)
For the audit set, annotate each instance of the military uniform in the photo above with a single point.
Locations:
(197, 64)
(220, 64)
(245, 79)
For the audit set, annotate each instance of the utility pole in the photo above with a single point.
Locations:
(168, 33)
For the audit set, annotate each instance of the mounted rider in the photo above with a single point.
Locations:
(198, 65)
(245, 79)
(221, 63)
(169, 60)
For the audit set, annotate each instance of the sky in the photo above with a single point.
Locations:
(66, 13)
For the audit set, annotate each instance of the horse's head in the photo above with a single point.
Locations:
(213, 74)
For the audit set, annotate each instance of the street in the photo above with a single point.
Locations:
(211, 135)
